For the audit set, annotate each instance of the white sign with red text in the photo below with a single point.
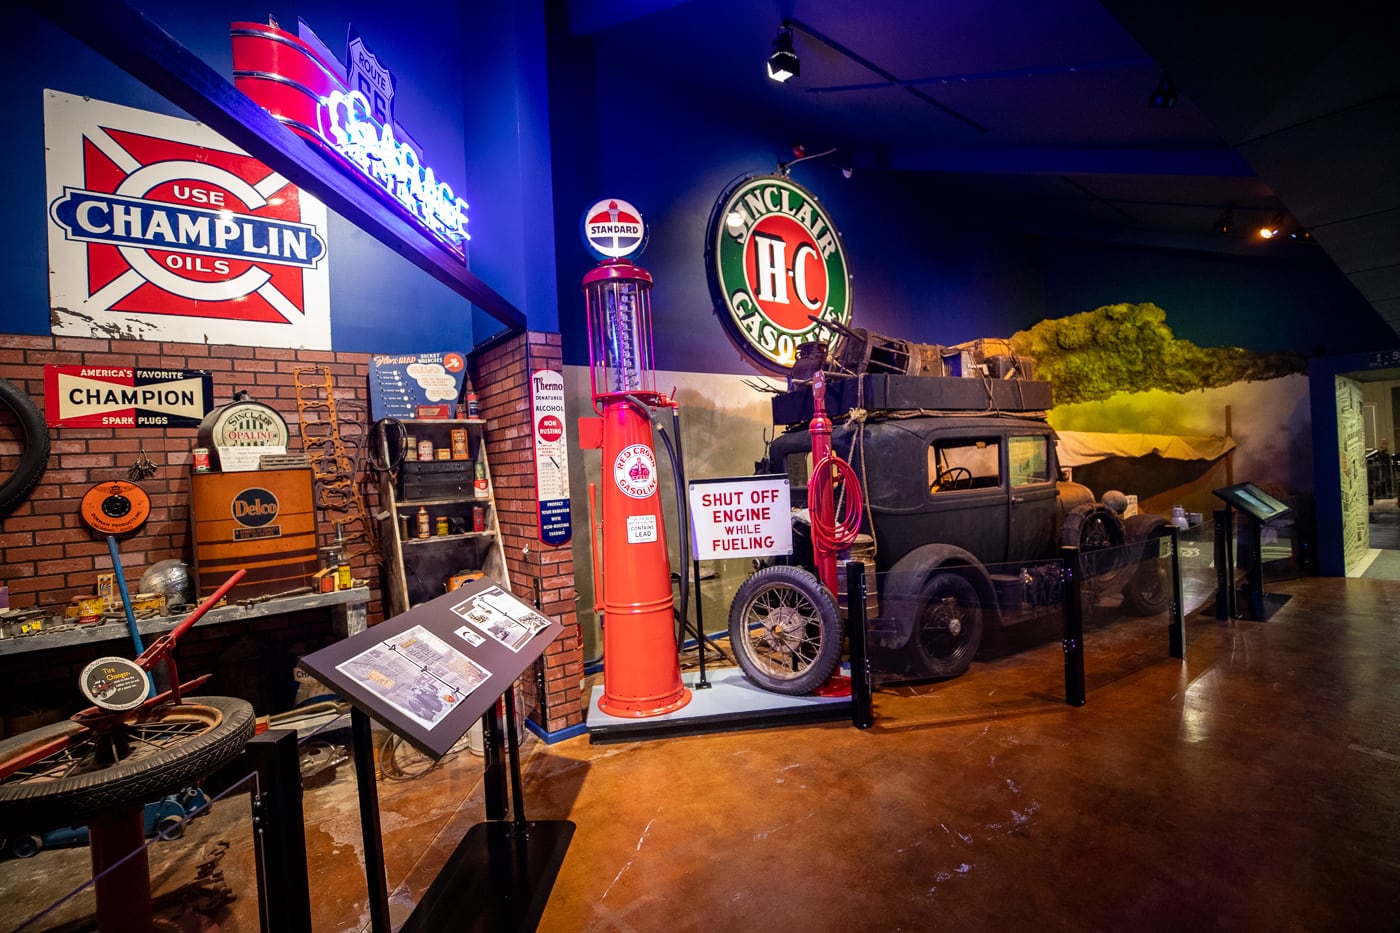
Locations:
(551, 456)
(748, 517)
(160, 229)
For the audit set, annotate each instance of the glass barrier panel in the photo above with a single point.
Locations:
(198, 853)
(933, 622)
(426, 807)
(1197, 557)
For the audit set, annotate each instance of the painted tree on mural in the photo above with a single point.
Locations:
(1129, 348)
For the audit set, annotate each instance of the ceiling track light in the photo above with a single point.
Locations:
(1224, 222)
(1164, 97)
(1271, 229)
(782, 62)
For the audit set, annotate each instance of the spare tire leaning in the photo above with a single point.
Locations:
(26, 423)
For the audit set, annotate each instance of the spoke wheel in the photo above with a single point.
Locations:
(948, 627)
(785, 630)
(144, 758)
(1099, 536)
(1148, 591)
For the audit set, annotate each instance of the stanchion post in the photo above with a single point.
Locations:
(1176, 620)
(284, 893)
(1073, 643)
(862, 704)
(362, 742)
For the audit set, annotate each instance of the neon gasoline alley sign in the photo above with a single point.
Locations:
(298, 80)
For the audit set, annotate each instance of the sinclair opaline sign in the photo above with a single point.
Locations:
(776, 262)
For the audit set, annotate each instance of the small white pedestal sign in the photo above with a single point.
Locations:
(740, 517)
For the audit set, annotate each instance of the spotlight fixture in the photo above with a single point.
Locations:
(1270, 229)
(1164, 98)
(1224, 222)
(783, 63)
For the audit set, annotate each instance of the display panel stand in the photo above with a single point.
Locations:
(1258, 508)
(427, 675)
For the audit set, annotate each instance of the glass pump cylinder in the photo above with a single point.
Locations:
(618, 297)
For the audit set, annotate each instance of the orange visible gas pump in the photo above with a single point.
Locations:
(641, 669)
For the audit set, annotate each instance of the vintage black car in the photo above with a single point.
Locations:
(968, 513)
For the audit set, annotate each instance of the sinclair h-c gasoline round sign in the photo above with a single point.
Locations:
(775, 262)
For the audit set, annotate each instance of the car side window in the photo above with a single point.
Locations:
(1028, 459)
(964, 463)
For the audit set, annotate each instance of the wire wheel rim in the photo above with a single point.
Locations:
(1099, 550)
(784, 631)
(945, 628)
(144, 736)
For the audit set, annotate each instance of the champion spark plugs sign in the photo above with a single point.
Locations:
(126, 397)
(776, 262)
(159, 229)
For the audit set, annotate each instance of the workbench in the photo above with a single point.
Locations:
(348, 610)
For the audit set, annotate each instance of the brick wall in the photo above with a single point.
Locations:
(48, 556)
(537, 570)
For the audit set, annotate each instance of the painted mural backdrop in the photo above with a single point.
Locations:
(159, 229)
(1351, 449)
(1130, 348)
(1120, 369)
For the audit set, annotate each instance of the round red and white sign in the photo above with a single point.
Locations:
(613, 229)
(550, 428)
(634, 471)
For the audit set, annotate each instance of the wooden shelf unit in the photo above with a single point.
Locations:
(419, 568)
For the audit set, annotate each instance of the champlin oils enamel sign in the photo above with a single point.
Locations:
(776, 262)
(160, 229)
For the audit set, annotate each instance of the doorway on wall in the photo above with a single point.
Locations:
(1381, 410)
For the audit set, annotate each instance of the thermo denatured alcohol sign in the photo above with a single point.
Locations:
(776, 262)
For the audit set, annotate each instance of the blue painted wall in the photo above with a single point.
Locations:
(922, 270)
(460, 94)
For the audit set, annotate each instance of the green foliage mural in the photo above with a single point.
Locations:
(1129, 348)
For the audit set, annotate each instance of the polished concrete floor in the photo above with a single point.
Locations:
(1253, 786)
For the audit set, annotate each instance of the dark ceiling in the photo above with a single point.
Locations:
(1036, 111)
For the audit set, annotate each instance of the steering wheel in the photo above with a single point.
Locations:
(952, 478)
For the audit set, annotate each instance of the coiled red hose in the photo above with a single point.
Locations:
(826, 528)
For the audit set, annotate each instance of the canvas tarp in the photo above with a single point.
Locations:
(1080, 447)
